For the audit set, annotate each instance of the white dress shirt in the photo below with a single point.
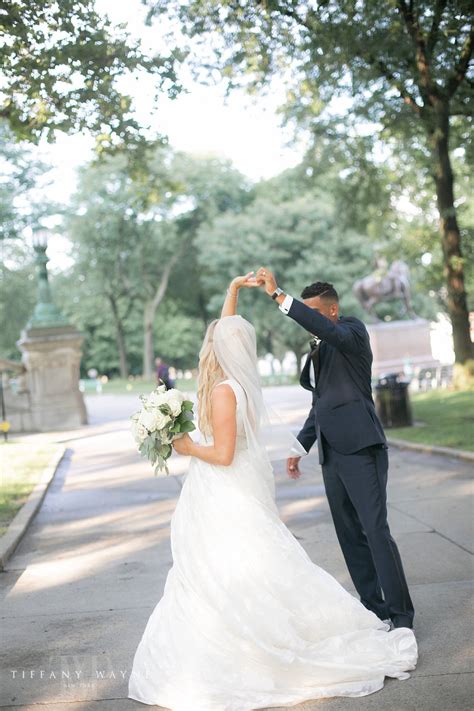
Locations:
(285, 307)
(286, 304)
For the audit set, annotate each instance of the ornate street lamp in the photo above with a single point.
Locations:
(46, 313)
(51, 355)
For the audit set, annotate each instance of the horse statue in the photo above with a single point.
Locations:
(385, 285)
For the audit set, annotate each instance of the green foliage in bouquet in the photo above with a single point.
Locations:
(156, 446)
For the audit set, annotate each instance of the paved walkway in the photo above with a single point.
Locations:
(77, 593)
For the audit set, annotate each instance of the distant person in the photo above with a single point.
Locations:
(163, 373)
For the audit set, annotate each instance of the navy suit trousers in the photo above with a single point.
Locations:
(356, 490)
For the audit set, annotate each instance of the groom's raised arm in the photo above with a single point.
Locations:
(349, 336)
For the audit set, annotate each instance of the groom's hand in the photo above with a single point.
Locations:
(266, 279)
(292, 467)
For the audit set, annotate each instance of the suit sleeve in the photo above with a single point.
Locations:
(307, 435)
(348, 337)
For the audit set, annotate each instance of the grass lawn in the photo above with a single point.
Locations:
(442, 418)
(119, 386)
(21, 466)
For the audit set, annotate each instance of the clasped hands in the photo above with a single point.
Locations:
(263, 278)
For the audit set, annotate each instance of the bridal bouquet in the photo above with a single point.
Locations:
(164, 416)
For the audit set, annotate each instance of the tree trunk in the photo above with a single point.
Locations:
(120, 337)
(148, 347)
(149, 312)
(299, 358)
(450, 236)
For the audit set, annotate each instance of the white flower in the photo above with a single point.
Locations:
(156, 398)
(153, 419)
(147, 419)
(174, 398)
(161, 420)
(139, 432)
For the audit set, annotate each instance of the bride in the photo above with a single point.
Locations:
(247, 620)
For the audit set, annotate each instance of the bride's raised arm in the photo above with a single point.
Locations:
(229, 307)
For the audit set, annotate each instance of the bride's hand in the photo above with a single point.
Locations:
(183, 444)
(248, 280)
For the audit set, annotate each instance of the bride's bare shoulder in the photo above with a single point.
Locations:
(223, 394)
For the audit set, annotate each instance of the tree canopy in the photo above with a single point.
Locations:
(382, 90)
(61, 62)
(403, 65)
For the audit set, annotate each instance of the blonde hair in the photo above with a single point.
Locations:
(210, 374)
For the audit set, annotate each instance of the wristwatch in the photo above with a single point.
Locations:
(277, 292)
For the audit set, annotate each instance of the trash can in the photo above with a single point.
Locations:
(392, 401)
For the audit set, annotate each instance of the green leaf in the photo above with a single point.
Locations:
(185, 417)
(160, 465)
(165, 451)
(187, 405)
(188, 426)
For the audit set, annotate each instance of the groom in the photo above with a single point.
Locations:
(351, 445)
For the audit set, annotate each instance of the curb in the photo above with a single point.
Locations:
(432, 449)
(18, 526)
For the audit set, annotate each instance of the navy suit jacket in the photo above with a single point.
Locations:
(343, 407)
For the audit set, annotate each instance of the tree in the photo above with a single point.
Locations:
(201, 189)
(17, 296)
(19, 172)
(133, 234)
(211, 187)
(301, 238)
(124, 246)
(19, 207)
(405, 63)
(61, 62)
(178, 335)
(83, 303)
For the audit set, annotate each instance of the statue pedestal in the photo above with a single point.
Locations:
(396, 344)
(52, 357)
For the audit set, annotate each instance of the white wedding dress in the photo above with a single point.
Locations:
(247, 620)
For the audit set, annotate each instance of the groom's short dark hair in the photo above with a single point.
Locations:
(323, 289)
